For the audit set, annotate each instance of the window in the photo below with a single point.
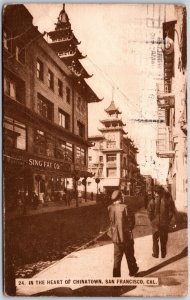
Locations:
(40, 142)
(111, 157)
(14, 134)
(64, 119)
(124, 162)
(111, 172)
(50, 147)
(80, 156)
(90, 158)
(10, 88)
(40, 70)
(44, 107)
(65, 151)
(81, 129)
(79, 103)
(82, 106)
(14, 87)
(100, 158)
(101, 145)
(111, 144)
(44, 143)
(68, 95)
(60, 88)
(5, 42)
(50, 80)
(20, 54)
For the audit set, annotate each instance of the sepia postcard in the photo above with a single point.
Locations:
(95, 150)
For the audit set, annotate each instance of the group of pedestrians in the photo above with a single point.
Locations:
(160, 210)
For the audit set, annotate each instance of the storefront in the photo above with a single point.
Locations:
(25, 174)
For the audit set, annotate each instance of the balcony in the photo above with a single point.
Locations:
(66, 54)
(165, 97)
(164, 149)
(96, 165)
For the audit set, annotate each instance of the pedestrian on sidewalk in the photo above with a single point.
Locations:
(122, 221)
(161, 210)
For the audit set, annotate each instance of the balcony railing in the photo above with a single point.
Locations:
(165, 96)
(96, 165)
(66, 54)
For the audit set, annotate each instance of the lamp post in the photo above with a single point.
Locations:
(84, 183)
(97, 180)
(76, 177)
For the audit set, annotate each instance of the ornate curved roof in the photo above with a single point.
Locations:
(112, 109)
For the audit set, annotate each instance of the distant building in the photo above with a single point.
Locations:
(149, 181)
(45, 122)
(172, 106)
(112, 156)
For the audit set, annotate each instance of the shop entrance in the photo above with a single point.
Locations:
(17, 186)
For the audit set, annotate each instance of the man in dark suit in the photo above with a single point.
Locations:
(161, 210)
(122, 221)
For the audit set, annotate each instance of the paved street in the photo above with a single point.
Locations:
(96, 262)
(50, 207)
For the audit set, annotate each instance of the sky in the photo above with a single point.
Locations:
(126, 62)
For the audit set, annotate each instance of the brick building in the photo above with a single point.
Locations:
(45, 122)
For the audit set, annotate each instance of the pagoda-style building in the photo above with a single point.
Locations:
(113, 155)
(65, 44)
(113, 122)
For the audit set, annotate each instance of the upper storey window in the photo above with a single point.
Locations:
(81, 129)
(50, 80)
(68, 95)
(14, 88)
(20, 54)
(40, 70)
(44, 107)
(60, 88)
(64, 119)
(14, 134)
(5, 40)
(10, 88)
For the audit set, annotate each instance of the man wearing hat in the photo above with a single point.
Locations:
(122, 222)
(160, 210)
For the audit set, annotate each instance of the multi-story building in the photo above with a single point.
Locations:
(172, 106)
(45, 111)
(112, 158)
(149, 183)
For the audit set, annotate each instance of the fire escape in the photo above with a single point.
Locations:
(166, 97)
(165, 102)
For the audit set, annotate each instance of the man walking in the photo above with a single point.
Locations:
(122, 222)
(160, 210)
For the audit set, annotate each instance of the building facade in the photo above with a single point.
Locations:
(112, 157)
(45, 122)
(172, 106)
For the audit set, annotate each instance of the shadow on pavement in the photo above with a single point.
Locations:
(110, 291)
(183, 253)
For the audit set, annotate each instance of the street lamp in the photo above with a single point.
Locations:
(76, 177)
(97, 180)
(84, 183)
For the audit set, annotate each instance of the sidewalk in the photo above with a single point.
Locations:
(51, 207)
(96, 263)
